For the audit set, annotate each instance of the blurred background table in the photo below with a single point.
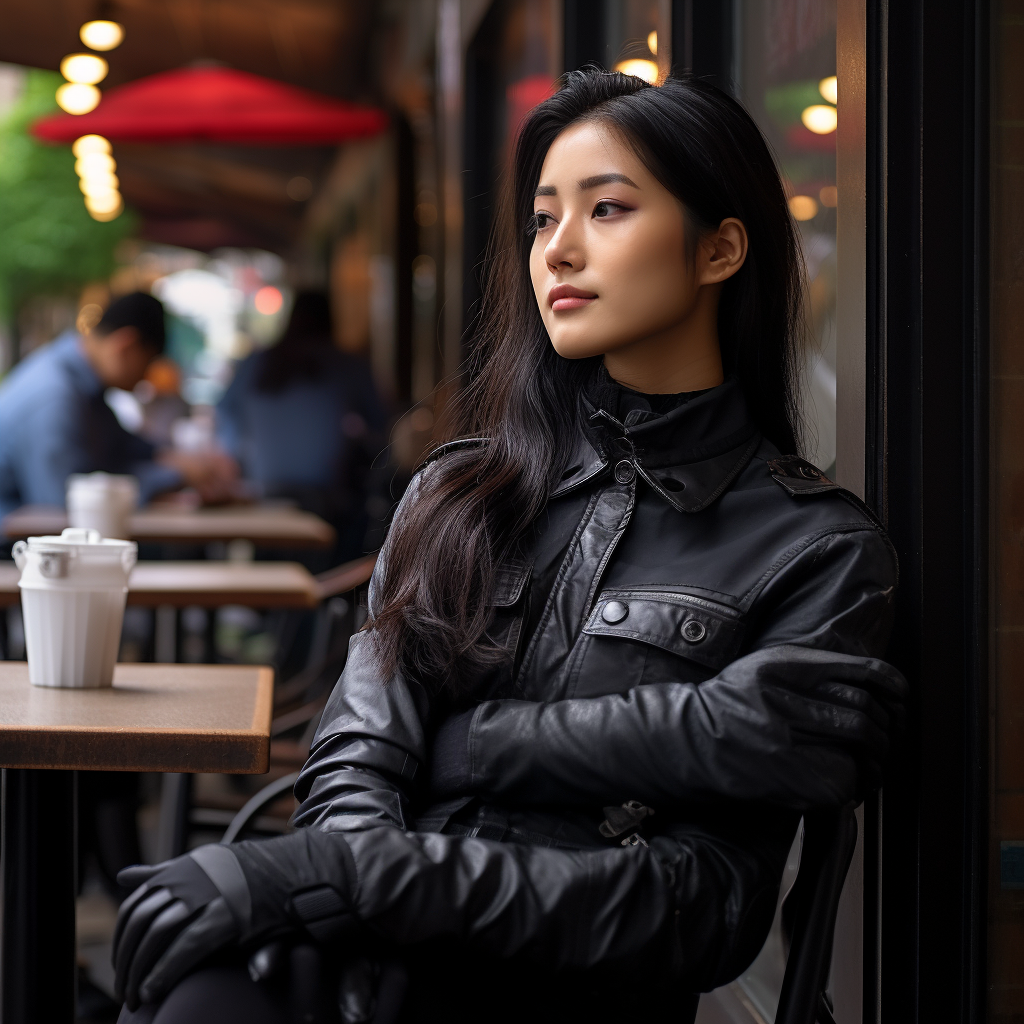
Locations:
(162, 718)
(203, 584)
(264, 524)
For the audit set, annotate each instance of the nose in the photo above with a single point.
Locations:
(564, 250)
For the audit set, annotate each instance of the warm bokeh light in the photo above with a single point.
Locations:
(652, 42)
(88, 144)
(84, 68)
(101, 35)
(820, 119)
(268, 300)
(645, 69)
(77, 99)
(104, 202)
(829, 196)
(96, 185)
(94, 163)
(829, 89)
(803, 207)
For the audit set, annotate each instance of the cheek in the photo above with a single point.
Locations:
(645, 271)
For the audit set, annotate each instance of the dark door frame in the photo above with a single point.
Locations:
(927, 453)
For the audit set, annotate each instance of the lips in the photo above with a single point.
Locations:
(564, 297)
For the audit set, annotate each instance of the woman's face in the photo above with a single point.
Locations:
(608, 262)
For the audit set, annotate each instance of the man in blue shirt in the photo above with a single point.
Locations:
(54, 420)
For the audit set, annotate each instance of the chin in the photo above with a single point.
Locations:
(579, 344)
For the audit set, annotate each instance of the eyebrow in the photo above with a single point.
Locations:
(586, 183)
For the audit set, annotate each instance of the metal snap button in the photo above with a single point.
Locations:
(614, 611)
(624, 471)
(809, 473)
(693, 631)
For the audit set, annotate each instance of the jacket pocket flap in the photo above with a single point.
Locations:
(700, 630)
(509, 581)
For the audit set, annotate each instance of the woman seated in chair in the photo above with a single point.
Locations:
(620, 634)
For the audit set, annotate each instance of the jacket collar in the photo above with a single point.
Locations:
(689, 455)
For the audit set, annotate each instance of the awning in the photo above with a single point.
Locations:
(216, 104)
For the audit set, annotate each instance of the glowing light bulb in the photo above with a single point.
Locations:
(645, 69)
(99, 184)
(829, 196)
(820, 119)
(94, 163)
(101, 35)
(77, 99)
(84, 68)
(268, 300)
(829, 89)
(803, 207)
(106, 206)
(652, 42)
(88, 144)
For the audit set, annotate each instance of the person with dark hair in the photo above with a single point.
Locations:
(621, 635)
(304, 421)
(54, 420)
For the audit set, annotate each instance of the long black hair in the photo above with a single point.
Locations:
(473, 504)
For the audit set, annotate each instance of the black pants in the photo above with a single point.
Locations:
(437, 989)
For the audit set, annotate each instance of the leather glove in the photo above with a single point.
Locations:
(187, 909)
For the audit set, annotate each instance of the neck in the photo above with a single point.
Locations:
(685, 357)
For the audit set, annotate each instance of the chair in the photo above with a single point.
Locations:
(812, 906)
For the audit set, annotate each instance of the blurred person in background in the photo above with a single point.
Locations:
(54, 420)
(305, 422)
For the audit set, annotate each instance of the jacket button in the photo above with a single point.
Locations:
(693, 631)
(624, 471)
(809, 473)
(614, 611)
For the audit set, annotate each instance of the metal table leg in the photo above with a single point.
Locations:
(37, 939)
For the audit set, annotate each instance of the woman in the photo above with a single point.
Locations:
(618, 641)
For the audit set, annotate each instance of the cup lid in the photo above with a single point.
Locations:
(79, 538)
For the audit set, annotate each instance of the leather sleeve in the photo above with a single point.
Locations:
(694, 906)
(759, 730)
(370, 743)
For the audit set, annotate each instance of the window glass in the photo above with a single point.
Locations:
(1006, 527)
(785, 75)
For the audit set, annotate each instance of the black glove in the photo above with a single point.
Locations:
(189, 908)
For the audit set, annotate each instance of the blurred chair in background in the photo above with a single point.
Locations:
(305, 422)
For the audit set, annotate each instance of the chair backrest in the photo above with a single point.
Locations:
(829, 841)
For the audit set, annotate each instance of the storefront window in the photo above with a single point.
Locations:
(785, 75)
(1006, 526)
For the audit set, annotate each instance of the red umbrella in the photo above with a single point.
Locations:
(215, 104)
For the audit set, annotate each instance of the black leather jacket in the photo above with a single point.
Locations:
(683, 585)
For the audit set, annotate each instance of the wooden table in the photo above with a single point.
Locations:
(163, 718)
(264, 524)
(206, 584)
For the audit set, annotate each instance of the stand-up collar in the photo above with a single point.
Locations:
(689, 455)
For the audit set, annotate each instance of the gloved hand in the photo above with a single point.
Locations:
(189, 908)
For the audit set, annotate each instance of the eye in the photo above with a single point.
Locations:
(607, 209)
(541, 220)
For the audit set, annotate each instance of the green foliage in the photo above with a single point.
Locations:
(48, 242)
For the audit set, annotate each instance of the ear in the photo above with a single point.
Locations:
(724, 251)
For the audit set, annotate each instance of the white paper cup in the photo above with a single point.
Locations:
(103, 502)
(73, 590)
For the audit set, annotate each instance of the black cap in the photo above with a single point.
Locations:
(140, 311)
